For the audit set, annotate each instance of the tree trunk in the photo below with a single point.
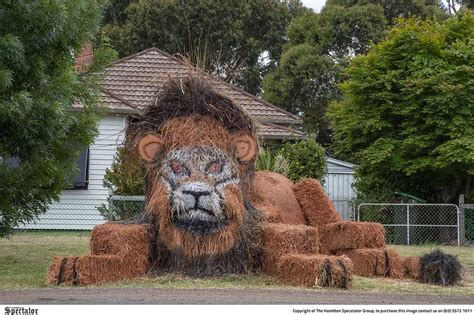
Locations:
(467, 187)
(450, 192)
(445, 236)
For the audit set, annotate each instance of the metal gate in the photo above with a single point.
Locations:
(414, 223)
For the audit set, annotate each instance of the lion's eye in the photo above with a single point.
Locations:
(214, 168)
(177, 167)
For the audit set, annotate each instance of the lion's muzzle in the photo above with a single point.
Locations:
(198, 208)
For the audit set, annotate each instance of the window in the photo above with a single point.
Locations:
(81, 180)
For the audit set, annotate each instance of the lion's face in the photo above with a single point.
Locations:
(196, 193)
(195, 179)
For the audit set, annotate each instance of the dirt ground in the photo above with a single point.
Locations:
(217, 296)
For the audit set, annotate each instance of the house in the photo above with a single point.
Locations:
(128, 85)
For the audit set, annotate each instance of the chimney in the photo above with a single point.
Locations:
(84, 59)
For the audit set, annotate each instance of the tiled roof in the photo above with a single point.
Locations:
(134, 81)
(264, 130)
(272, 131)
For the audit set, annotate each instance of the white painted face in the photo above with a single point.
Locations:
(196, 179)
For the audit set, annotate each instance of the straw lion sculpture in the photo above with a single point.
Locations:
(208, 212)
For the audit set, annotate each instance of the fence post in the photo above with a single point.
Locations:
(408, 224)
(461, 221)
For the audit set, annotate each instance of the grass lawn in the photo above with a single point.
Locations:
(25, 257)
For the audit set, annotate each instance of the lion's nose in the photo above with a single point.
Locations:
(196, 194)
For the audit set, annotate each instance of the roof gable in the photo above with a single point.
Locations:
(338, 166)
(134, 81)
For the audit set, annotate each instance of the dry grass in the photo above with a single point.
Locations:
(24, 261)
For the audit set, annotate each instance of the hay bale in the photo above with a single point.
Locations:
(351, 235)
(131, 242)
(412, 266)
(283, 239)
(369, 262)
(440, 268)
(316, 206)
(85, 270)
(56, 270)
(120, 239)
(94, 269)
(316, 271)
(275, 197)
(119, 251)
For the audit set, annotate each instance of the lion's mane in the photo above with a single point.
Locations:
(212, 120)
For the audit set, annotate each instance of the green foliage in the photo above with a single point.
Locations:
(341, 32)
(408, 114)
(395, 9)
(271, 161)
(225, 37)
(305, 158)
(118, 210)
(104, 54)
(38, 86)
(126, 177)
(321, 45)
(303, 84)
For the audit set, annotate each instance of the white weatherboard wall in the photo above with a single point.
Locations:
(77, 209)
(338, 184)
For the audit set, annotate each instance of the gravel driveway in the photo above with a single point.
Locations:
(217, 296)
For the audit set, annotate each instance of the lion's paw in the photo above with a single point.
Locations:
(316, 270)
(63, 269)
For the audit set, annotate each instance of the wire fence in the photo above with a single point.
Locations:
(467, 221)
(469, 217)
(414, 224)
(346, 209)
(123, 207)
(404, 223)
(470, 226)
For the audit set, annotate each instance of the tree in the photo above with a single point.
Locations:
(395, 9)
(40, 137)
(237, 40)
(304, 83)
(343, 29)
(319, 46)
(407, 117)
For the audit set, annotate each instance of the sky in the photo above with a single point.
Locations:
(316, 5)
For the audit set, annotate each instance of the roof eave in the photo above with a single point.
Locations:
(282, 137)
(341, 163)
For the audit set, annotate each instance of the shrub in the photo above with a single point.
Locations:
(121, 209)
(305, 159)
(126, 177)
(269, 161)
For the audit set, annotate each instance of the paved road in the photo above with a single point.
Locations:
(217, 296)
